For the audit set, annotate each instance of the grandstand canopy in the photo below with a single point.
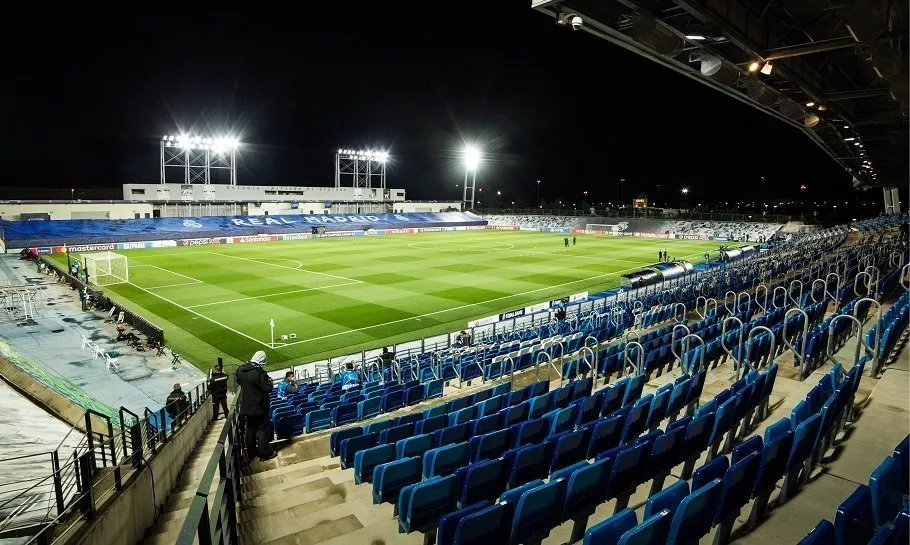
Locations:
(837, 71)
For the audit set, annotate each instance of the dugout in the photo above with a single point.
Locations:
(656, 274)
(730, 255)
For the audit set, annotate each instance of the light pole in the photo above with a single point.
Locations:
(471, 161)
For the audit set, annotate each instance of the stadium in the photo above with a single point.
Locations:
(489, 339)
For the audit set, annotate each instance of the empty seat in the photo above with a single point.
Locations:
(396, 433)
(415, 446)
(454, 434)
(486, 424)
(532, 431)
(490, 445)
(695, 515)
(340, 435)
(611, 530)
(367, 459)
(392, 400)
(421, 505)
(668, 499)
(570, 448)
(652, 531)
(528, 463)
(585, 490)
(491, 405)
(485, 527)
(433, 389)
(854, 520)
(589, 408)
(462, 416)
(320, 419)
(448, 524)
(445, 460)
(516, 414)
(605, 434)
(344, 414)
(712, 470)
(736, 489)
(885, 484)
(378, 426)
(368, 408)
(390, 478)
(352, 445)
(289, 426)
(537, 512)
(431, 424)
(484, 480)
(625, 474)
(822, 534)
(414, 395)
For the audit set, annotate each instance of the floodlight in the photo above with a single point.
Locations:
(767, 68)
(696, 37)
(754, 67)
(471, 157)
(685, 190)
(810, 104)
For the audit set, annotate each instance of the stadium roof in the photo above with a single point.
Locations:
(836, 71)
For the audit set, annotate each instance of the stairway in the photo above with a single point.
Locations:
(171, 517)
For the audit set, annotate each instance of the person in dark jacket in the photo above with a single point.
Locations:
(253, 405)
(218, 387)
(177, 405)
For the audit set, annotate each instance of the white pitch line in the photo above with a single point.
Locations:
(273, 294)
(195, 280)
(191, 311)
(468, 305)
(172, 285)
(285, 267)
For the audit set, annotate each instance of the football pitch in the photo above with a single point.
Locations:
(343, 295)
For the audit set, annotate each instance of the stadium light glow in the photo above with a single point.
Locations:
(753, 67)
(696, 37)
(379, 156)
(221, 144)
(685, 191)
(471, 157)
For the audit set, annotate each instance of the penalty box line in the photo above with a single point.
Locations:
(468, 305)
(352, 280)
(278, 294)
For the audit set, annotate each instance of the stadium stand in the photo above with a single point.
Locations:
(722, 410)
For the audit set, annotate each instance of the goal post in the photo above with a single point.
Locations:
(106, 268)
(606, 227)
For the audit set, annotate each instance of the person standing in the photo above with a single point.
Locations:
(255, 385)
(573, 240)
(177, 405)
(218, 387)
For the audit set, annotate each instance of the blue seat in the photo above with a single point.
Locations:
(711, 471)
(571, 447)
(528, 463)
(517, 396)
(431, 424)
(421, 505)
(414, 446)
(902, 455)
(351, 445)
(366, 460)
(491, 405)
(479, 396)
(822, 534)
(605, 434)
(563, 420)
(485, 527)
(679, 397)
(396, 433)
(695, 515)
(516, 413)
(445, 460)
(611, 530)
(666, 453)
(501, 389)
(490, 445)
(320, 419)
(667, 499)
(613, 399)
(408, 419)
(582, 388)
(368, 408)
(753, 444)
(537, 512)
(698, 433)
(484, 480)
(585, 490)
(414, 395)
(538, 388)
(658, 410)
(462, 416)
(433, 389)
(532, 431)
(540, 405)
(589, 408)
(344, 414)
(625, 475)
(637, 419)
(562, 396)
(457, 404)
(885, 484)
(854, 521)
(392, 400)
(486, 424)
(652, 531)
(636, 387)
(436, 410)
(448, 524)
(736, 489)
(453, 434)
(803, 445)
(773, 463)
(289, 426)
(390, 478)
(338, 436)
(378, 426)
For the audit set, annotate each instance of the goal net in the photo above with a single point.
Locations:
(606, 227)
(106, 268)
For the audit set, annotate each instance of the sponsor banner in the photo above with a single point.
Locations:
(295, 236)
(505, 227)
(201, 241)
(683, 236)
(87, 248)
(649, 235)
(256, 238)
(376, 232)
(335, 234)
(537, 308)
(578, 297)
(721, 239)
(43, 250)
(474, 227)
(162, 244)
(484, 321)
(512, 314)
(432, 229)
(132, 245)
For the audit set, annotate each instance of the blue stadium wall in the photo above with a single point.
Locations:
(142, 233)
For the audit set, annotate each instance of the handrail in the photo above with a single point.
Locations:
(896, 263)
(829, 353)
(640, 356)
(685, 353)
(593, 347)
(581, 358)
(801, 353)
(727, 295)
(748, 362)
(538, 361)
(502, 367)
(867, 282)
(837, 287)
(876, 277)
(905, 276)
(764, 304)
(774, 293)
(739, 297)
(698, 305)
(812, 290)
(737, 356)
(681, 315)
(878, 334)
(797, 301)
(676, 328)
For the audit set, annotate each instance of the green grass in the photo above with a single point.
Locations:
(344, 295)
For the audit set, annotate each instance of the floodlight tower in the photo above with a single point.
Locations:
(471, 161)
(360, 168)
(197, 156)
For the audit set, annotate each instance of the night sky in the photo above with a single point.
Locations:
(86, 104)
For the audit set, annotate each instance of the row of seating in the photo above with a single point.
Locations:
(877, 513)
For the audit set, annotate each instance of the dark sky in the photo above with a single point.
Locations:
(85, 103)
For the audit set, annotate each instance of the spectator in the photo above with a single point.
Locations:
(218, 388)
(385, 359)
(463, 338)
(177, 405)
(349, 377)
(255, 385)
(288, 386)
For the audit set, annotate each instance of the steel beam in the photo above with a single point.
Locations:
(810, 48)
